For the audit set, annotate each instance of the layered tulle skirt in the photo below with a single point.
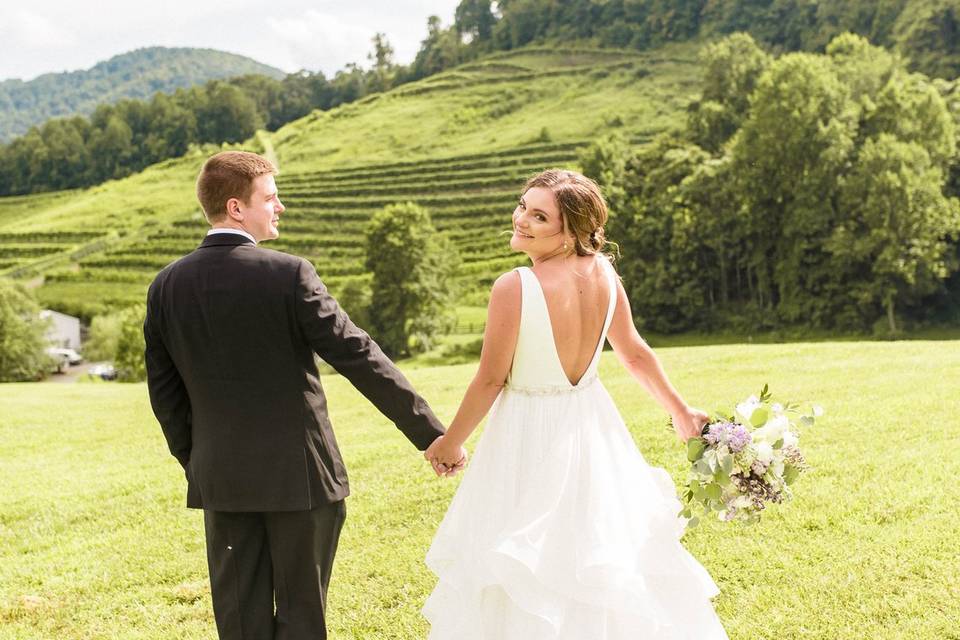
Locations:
(560, 530)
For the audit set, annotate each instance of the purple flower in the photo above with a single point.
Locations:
(734, 435)
(739, 438)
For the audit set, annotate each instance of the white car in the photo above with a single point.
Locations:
(104, 371)
(64, 357)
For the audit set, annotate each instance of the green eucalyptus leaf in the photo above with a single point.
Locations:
(722, 478)
(710, 457)
(759, 417)
(695, 448)
(726, 464)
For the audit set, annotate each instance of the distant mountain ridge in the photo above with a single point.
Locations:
(136, 74)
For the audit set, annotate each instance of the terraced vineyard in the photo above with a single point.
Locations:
(460, 143)
(469, 197)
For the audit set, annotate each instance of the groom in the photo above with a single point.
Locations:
(231, 332)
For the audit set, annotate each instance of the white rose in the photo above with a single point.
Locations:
(773, 430)
(765, 453)
(746, 408)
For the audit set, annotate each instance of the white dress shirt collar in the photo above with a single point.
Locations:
(226, 230)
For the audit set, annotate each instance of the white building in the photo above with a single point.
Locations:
(64, 331)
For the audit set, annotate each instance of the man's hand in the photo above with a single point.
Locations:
(447, 458)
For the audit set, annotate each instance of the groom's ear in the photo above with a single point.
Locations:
(233, 209)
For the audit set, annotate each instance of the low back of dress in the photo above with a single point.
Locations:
(536, 363)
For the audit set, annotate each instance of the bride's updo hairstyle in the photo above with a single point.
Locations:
(582, 207)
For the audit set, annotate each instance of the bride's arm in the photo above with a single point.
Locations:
(496, 357)
(639, 359)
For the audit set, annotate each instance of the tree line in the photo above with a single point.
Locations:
(137, 74)
(927, 32)
(817, 190)
(123, 138)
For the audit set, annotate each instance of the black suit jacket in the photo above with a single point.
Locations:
(231, 331)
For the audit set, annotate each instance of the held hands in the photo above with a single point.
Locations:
(447, 458)
(689, 423)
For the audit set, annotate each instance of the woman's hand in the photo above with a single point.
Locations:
(446, 456)
(689, 422)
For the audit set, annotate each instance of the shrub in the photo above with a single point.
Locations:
(22, 335)
(129, 360)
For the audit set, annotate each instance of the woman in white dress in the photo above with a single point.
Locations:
(560, 529)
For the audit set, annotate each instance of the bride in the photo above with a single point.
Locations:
(560, 529)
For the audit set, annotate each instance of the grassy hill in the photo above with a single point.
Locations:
(461, 143)
(136, 74)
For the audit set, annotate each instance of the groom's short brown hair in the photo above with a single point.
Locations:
(229, 174)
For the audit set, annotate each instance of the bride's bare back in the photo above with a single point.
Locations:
(577, 295)
(558, 223)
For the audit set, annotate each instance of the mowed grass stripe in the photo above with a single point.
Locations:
(442, 171)
(465, 199)
(454, 175)
(526, 155)
(416, 187)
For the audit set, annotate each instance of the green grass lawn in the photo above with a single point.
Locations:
(95, 542)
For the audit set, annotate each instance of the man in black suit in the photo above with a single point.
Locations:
(231, 332)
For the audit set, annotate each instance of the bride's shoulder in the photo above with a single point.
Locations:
(506, 283)
(506, 289)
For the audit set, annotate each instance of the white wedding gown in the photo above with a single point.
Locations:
(560, 529)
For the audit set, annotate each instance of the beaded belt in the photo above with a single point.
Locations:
(553, 391)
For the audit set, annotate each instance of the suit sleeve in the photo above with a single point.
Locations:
(168, 394)
(355, 355)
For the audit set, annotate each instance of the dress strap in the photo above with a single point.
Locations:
(611, 307)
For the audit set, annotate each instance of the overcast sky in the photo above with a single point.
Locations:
(43, 36)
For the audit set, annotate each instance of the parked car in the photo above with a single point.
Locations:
(102, 371)
(61, 358)
(60, 353)
(59, 362)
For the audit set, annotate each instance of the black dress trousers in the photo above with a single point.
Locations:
(269, 571)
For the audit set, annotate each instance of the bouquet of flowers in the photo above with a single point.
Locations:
(741, 463)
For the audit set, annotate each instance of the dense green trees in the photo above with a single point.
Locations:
(134, 75)
(411, 297)
(122, 138)
(125, 137)
(811, 189)
(22, 336)
(129, 359)
(927, 32)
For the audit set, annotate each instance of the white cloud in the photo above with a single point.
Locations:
(30, 29)
(59, 35)
(316, 40)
